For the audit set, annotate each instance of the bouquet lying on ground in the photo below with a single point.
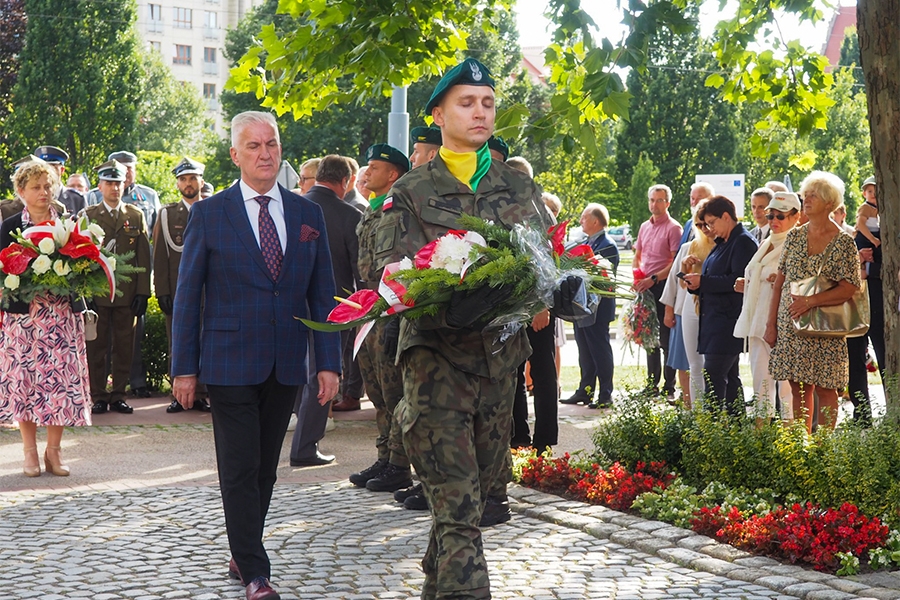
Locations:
(640, 323)
(526, 263)
(61, 257)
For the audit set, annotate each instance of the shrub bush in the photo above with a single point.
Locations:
(155, 348)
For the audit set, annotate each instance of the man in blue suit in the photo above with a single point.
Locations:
(595, 355)
(257, 255)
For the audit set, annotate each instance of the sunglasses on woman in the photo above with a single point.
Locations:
(701, 225)
(780, 217)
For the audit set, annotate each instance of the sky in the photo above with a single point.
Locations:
(532, 25)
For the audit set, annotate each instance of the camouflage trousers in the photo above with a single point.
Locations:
(384, 387)
(456, 429)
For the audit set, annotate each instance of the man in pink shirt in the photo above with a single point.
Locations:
(658, 241)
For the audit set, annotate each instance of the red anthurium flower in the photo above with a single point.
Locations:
(638, 275)
(583, 250)
(80, 246)
(15, 258)
(558, 237)
(354, 307)
(423, 256)
(36, 237)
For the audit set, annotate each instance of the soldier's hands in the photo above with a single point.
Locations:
(166, 305)
(139, 305)
(468, 306)
(390, 337)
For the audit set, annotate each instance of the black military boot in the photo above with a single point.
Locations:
(391, 479)
(362, 478)
(401, 495)
(496, 511)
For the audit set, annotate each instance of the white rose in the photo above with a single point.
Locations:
(112, 262)
(41, 264)
(47, 245)
(61, 268)
(405, 263)
(11, 282)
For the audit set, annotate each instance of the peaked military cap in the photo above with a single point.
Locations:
(468, 72)
(26, 159)
(188, 167)
(124, 157)
(426, 135)
(388, 153)
(52, 154)
(207, 188)
(111, 170)
(497, 143)
(869, 181)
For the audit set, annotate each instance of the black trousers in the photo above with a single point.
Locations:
(656, 359)
(723, 382)
(351, 381)
(249, 423)
(858, 386)
(545, 389)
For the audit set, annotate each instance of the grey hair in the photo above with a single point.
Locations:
(252, 117)
(703, 185)
(660, 188)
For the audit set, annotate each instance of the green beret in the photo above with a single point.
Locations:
(497, 143)
(468, 72)
(426, 135)
(111, 170)
(388, 154)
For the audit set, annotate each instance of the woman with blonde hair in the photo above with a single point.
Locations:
(43, 360)
(813, 365)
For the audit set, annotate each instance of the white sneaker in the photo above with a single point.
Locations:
(292, 425)
(329, 425)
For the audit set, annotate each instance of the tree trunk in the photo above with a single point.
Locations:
(878, 24)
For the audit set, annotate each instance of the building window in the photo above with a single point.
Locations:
(155, 25)
(156, 46)
(209, 91)
(182, 18)
(182, 55)
(209, 55)
(210, 20)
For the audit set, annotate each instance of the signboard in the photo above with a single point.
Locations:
(731, 186)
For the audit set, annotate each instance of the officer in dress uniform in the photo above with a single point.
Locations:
(124, 231)
(458, 371)
(57, 157)
(15, 205)
(168, 241)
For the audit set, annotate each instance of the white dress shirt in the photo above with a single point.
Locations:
(276, 209)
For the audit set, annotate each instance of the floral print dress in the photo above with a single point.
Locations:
(43, 363)
(818, 361)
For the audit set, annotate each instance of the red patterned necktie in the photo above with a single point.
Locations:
(268, 238)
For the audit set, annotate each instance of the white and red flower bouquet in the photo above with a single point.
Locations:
(60, 257)
(640, 323)
(529, 262)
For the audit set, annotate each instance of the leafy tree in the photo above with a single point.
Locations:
(155, 170)
(644, 176)
(850, 56)
(12, 38)
(172, 113)
(676, 121)
(79, 82)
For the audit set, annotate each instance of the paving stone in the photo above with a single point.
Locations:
(803, 588)
(695, 542)
(714, 565)
(725, 552)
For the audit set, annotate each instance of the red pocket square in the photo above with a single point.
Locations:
(308, 234)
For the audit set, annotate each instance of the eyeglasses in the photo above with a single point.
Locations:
(780, 217)
(701, 225)
(302, 178)
(714, 221)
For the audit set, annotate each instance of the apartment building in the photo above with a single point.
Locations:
(190, 36)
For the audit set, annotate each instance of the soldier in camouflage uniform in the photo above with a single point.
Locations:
(384, 385)
(458, 376)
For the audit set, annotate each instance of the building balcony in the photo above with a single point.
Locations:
(154, 27)
(212, 104)
(211, 68)
(211, 34)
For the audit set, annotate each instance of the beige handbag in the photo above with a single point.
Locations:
(90, 325)
(850, 319)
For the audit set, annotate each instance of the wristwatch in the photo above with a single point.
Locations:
(654, 277)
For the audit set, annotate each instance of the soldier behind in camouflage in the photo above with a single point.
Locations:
(168, 242)
(458, 376)
(426, 144)
(377, 357)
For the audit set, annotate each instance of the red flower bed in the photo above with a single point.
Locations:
(799, 534)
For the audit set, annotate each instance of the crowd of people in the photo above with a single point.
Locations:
(232, 272)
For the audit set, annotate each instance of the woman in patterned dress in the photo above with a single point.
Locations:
(43, 361)
(813, 364)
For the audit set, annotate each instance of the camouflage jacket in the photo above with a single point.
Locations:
(422, 206)
(369, 268)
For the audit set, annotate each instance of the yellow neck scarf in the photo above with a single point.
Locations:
(468, 167)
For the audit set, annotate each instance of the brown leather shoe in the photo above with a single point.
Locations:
(261, 589)
(347, 403)
(234, 572)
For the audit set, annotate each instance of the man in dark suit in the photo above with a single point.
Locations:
(258, 256)
(595, 356)
(332, 180)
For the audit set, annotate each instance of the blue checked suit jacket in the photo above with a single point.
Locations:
(246, 325)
